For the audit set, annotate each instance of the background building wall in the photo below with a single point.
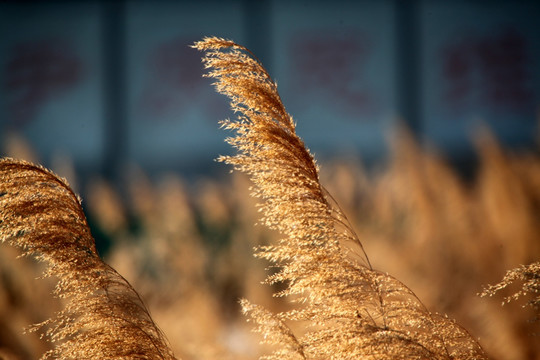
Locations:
(113, 83)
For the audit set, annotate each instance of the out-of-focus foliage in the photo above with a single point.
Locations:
(187, 248)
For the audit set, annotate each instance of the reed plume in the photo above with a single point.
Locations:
(103, 317)
(351, 310)
(529, 276)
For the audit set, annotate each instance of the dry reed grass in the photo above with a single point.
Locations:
(422, 221)
(351, 310)
(446, 239)
(103, 316)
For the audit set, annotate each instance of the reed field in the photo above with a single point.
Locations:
(409, 260)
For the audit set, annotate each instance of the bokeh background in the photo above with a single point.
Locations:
(109, 83)
(110, 95)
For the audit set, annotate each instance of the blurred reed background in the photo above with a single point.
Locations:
(109, 95)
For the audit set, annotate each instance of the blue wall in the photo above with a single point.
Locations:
(110, 83)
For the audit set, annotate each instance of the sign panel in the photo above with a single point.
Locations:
(50, 78)
(334, 65)
(173, 111)
(483, 68)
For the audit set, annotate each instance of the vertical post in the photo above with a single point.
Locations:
(408, 58)
(257, 15)
(114, 89)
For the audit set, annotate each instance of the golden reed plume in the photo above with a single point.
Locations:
(104, 318)
(352, 311)
(529, 277)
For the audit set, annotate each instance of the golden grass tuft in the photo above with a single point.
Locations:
(103, 317)
(351, 310)
(529, 276)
